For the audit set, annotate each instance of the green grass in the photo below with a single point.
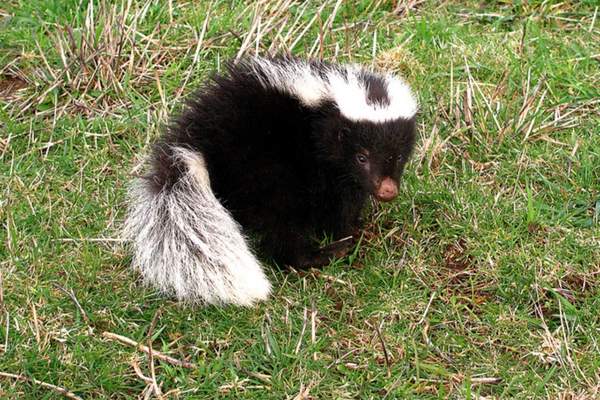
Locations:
(480, 281)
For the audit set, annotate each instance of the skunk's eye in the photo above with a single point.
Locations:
(361, 158)
(399, 159)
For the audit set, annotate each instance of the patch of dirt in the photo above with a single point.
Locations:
(457, 276)
(538, 232)
(9, 86)
(580, 283)
(456, 257)
(576, 282)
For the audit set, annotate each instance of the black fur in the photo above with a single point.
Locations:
(288, 173)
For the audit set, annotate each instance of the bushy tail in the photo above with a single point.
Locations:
(186, 244)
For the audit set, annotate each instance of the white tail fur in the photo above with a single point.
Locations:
(186, 244)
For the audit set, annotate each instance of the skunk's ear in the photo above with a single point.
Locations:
(343, 133)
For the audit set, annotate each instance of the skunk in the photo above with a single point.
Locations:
(283, 149)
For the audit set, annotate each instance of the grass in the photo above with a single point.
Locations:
(480, 281)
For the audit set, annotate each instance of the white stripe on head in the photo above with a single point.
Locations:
(351, 96)
(342, 85)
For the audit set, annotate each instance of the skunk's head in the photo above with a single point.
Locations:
(373, 154)
(370, 125)
(376, 153)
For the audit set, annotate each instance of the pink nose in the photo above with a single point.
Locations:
(387, 190)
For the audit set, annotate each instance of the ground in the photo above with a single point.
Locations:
(480, 281)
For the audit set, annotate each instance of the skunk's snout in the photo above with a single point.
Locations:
(386, 190)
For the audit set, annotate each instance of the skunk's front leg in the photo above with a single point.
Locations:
(348, 219)
(297, 249)
(322, 256)
(338, 249)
